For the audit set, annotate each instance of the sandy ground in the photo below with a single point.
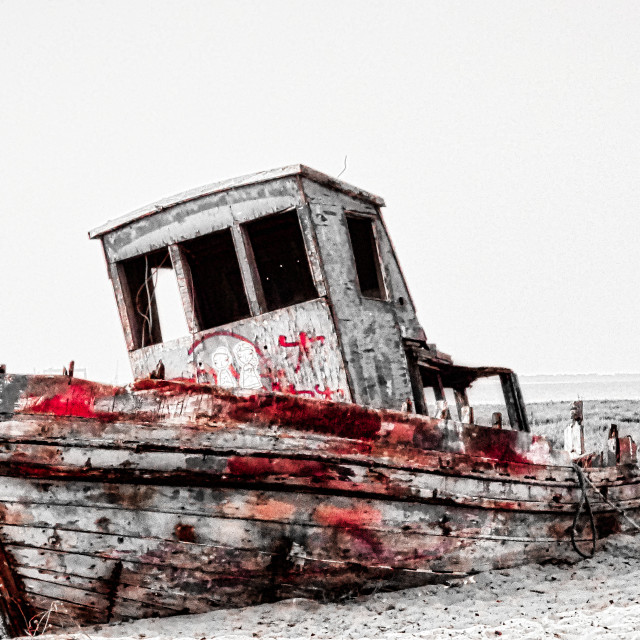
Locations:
(597, 598)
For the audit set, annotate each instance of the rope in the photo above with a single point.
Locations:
(153, 277)
(584, 500)
(618, 509)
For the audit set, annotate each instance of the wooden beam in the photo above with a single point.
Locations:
(416, 383)
(249, 271)
(124, 302)
(14, 609)
(185, 286)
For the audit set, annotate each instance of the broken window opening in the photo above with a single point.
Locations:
(453, 403)
(173, 322)
(281, 260)
(155, 312)
(217, 290)
(486, 395)
(365, 253)
(431, 403)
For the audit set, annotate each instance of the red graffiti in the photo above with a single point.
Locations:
(304, 342)
(203, 371)
(224, 332)
(328, 394)
(291, 389)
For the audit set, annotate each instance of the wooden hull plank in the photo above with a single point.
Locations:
(169, 498)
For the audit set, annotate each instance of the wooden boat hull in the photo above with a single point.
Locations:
(174, 498)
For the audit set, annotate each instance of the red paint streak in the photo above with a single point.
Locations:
(354, 521)
(177, 386)
(340, 419)
(274, 510)
(291, 389)
(338, 517)
(261, 467)
(61, 397)
(327, 393)
(410, 439)
(303, 343)
(280, 387)
(399, 434)
(496, 444)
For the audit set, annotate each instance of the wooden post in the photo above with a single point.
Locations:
(417, 386)
(514, 402)
(249, 271)
(185, 286)
(574, 433)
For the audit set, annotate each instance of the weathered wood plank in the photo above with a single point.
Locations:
(97, 586)
(246, 439)
(233, 517)
(66, 593)
(152, 401)
(66, 615)
(179, 468)
(265, 504)
(351, 535)
(83, 567)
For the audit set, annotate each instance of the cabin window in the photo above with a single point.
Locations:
(452, 403)
(217, 289)
(365, 253)
(156, 311)
(486, 396)
(281, 260)
(430, 400)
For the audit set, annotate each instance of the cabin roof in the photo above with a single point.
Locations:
(232, 183)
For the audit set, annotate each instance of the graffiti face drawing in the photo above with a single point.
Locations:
(247, 360)
(223, 367)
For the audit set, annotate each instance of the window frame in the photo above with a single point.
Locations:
(384, 291)
(193, 306)
(251, 280)
(136, 323)
(253, 265)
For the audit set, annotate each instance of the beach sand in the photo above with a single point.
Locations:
(596, 598)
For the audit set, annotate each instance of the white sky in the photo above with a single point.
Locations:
(504, 136)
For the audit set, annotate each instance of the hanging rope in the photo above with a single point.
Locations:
(633, 523)
(584, 503)
(150, 275)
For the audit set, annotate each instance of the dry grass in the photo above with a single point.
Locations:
(550, 418)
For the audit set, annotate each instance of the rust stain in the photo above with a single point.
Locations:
(185, 533)
(346, 518)
(274, 510)
(264, 467)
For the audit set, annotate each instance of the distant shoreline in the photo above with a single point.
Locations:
(566, 387)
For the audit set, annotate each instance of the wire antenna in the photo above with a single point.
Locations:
(343, 168)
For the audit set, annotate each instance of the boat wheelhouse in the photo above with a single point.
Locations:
(282, 281)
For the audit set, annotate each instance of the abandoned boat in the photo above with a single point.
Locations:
(299, 438)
